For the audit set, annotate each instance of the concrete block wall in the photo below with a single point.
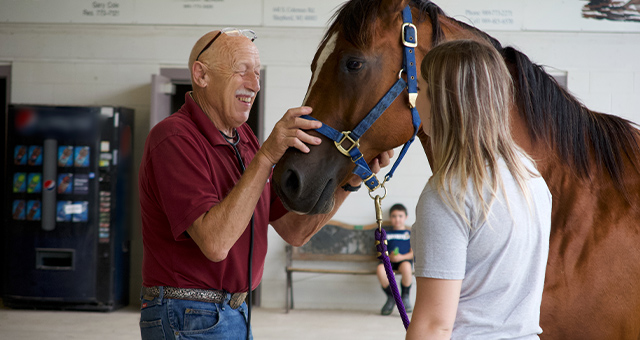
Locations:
(70, 64)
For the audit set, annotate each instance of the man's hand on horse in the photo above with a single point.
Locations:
(290, 132)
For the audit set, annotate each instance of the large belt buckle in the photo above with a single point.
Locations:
(237, 299)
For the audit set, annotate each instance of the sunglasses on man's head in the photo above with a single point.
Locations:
(232, 32)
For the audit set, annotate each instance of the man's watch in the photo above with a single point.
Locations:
(350, 188)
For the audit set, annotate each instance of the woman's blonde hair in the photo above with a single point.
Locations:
(470, 90)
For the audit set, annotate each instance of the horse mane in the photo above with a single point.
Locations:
(552, 113)
(356, 18)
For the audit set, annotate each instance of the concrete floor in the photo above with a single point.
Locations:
(266, 323)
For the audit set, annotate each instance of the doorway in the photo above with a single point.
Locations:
(172, 84)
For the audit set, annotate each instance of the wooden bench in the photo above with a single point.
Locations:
(335, 242)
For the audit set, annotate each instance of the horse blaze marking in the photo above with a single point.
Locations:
(326, 52)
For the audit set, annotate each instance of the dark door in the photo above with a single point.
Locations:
(5, 73)
(170, 86)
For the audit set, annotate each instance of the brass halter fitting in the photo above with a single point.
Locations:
(378, 203)
(354, 144)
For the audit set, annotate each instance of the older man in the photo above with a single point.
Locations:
(206, 198)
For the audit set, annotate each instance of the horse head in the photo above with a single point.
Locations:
(358, 61)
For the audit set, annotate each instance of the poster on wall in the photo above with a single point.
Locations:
(299, 13)
(612, 10)
(583, 15)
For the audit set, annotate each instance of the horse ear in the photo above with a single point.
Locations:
(393, 6)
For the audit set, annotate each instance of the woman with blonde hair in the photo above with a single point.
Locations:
(481, 236)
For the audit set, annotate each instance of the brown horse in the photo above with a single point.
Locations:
(589, 160)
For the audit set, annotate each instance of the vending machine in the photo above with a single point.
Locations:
(67, 213)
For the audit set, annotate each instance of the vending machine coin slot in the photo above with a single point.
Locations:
(54, 259)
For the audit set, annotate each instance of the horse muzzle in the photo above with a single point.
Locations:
(306, 183)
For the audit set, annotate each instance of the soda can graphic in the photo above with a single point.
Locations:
(35, 183)
(65, 155)
(18, 210)
(20, 182)
(35, 155)
(20, 155)
(65, 183)
(81, 156)
(34, 211)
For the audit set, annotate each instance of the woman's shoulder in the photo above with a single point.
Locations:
(434, 198)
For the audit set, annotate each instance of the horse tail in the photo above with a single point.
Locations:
(554, 115)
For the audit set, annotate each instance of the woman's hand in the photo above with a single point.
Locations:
(376, 164)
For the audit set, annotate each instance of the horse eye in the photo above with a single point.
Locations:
(354, 65)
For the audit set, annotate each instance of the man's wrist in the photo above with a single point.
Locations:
(264, 159)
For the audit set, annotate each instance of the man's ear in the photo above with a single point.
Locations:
(199, 74)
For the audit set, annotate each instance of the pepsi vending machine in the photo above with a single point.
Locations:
(67, 218)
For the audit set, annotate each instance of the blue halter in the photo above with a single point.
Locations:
(410, 41)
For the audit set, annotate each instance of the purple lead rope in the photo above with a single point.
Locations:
(381, 237)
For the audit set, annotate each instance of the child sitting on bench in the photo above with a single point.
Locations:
(401, 257)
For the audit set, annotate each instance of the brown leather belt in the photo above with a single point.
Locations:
(195, 294)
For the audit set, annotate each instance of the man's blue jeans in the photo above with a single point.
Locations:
(162, 318)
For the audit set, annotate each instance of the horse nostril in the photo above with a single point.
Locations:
(291, 182)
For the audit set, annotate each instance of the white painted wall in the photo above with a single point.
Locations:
(75, 64)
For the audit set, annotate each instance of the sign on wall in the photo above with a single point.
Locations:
(200, 12)
(299, 13)
(76, 11)
(547, 15)
(156, 12)
(502, 15)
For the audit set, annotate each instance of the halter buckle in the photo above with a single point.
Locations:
(354, 144)
(410, 44)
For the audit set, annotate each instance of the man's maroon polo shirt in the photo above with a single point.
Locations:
(187, 168)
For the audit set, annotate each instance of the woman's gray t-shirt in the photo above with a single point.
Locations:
(501, 261)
